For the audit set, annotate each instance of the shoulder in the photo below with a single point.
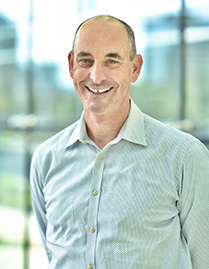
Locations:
(175, 148)
(55, 145)
(170, 138)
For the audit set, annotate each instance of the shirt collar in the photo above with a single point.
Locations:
(79, 133)
(132, 130)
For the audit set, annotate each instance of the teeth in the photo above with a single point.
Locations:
(99, 91)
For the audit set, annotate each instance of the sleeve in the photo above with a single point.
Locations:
(37, 196)
(195, 204)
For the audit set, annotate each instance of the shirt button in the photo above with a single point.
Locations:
(101, 156)
(90, 267)
(92, 229)
(95, 192)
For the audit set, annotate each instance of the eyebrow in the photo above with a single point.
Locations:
(83, 53)
(111, 55)
(114, 55)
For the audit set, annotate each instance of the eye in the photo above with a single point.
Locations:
(85, 62)
(112, 61)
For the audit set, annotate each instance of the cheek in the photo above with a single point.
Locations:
(115, 76)
(80, 75)
(125, 79)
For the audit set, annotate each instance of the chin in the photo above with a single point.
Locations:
(97, 107)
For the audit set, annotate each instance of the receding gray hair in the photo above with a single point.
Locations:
(111, 18)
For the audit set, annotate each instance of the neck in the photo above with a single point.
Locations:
(102, 129)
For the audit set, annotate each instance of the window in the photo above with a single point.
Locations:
(37, 98)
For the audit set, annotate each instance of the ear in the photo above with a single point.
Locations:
(137, 65)
(71, 64)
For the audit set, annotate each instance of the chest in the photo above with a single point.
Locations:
(117, 186)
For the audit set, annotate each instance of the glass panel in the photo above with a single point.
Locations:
(12, 199)
(11, 257)
(194, 3)
(159, 81)
(197, 66)
(37, 97)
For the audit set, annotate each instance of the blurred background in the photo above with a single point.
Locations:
(37, 98)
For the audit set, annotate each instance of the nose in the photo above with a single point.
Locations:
(97, 73)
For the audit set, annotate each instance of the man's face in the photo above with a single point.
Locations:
(101, 68)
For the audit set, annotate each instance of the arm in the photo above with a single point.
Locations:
(195, 204)
(38, 200)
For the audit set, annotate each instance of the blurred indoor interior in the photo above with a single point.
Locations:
(37, 98)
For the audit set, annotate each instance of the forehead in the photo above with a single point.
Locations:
(102, 35)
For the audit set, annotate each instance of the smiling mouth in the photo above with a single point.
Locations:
(100, 90)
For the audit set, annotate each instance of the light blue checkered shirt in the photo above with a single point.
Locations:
(140, 203)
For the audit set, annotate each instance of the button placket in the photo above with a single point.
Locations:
(95, 192)
(92, 229)
(97, 176)
(100, 156)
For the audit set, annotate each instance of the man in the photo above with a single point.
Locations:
(118, 189)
